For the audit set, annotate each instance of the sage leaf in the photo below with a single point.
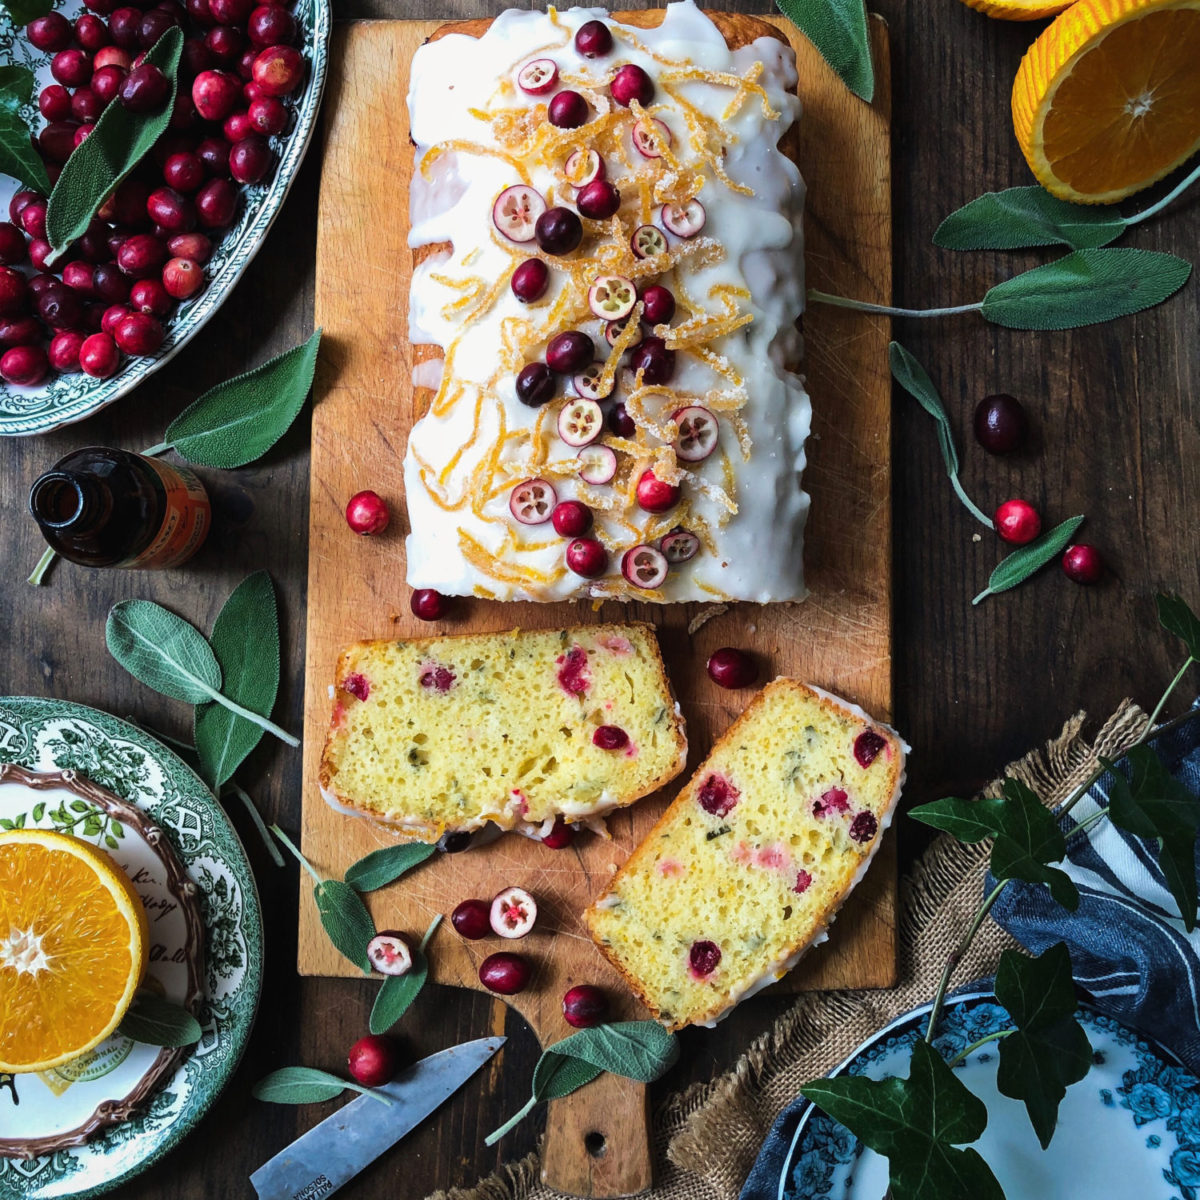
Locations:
(245, 640)
(24, 11)
(399, 991)
(18, 158)
(1085, 288)
(1152, 804)
(1049, 1050)
(346, 920)
(917, 1124)
(1028, 560)
(163, 651)
(381, 867)
(1175, 617)
(1022, 217)
(838, 29)
(158, 1022)
(239, 420)
(119, 141)
(307, 1085)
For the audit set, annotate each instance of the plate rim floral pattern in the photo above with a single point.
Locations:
(65, 399)
(178, 795)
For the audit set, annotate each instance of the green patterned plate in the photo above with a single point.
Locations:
(52, 735)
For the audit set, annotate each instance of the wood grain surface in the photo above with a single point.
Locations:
(1116, 413)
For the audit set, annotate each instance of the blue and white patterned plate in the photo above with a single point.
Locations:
(1130, 1128)
(63, 399)
(52, 735)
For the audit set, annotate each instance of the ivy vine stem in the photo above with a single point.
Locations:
(818, 297)
(967, 1051)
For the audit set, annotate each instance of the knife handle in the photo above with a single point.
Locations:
(598, 1140)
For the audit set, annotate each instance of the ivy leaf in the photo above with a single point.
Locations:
(18, 158)
(1152, 804)
(112, 151)
(1175, 617)
(245, 640)
(306, 1085)
(1085, 288)
(838, 29)
(158, 1022)
(1050, 1050)
(1027, 836)
(162, 650)
(917, 1124)
(381, 867)
(399, 991)
(24, 11)
(346, 920)
(239, 420)
(1021, 217)
(1018, 566)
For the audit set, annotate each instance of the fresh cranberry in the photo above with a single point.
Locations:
(271, 25)
(184, 172)
(215, 93)
(587, 557)
(99, 356)
(182, 278)
(145, 90)
(141, 256)
(213, 152)
(428, 604)
(50, 33)
(231, 12)
(584, 1005)
(654, 360)
(110, 283)
(139, 334)
(113, 316)
(278, 70)
(195, 246)
(598, 200)
(21, 331)
(1082, 563)
(196, 57)
(250, 159)
(19, 203)
(610, 737)
(64, 350)
(149, 296)
(529, 280)
(200, 13)
(567, 110)
(103, 7)
(26, 366)
(717, 795)
(1001, 424)
(82, 134)
(558, 230)
(106, 85)
(56, 141)
(216, 203)
(535, 384)
(631, 83)
(658, 305)
(569, 352)
(561, 835)
(864, 827)
(39, 253)
(154, 24)
(80, 276)
(112, 56)
(85, 106)
(867, 746)
(60, 307)
(12, 244)
(731, 668)
(704, 958)
(1017, 522)
(54, 102)
(72, 68)
(571, 518)
(472, 919)
(250, 90)
(267, 115)
(39, 283)
(620, 422)
(367, 513)
(593, 39)
(655, 496)
(172, 211)
(129, 203)
(123, 26)
(91, 33)
(504, 973)
(374, 1060)
(225, 44)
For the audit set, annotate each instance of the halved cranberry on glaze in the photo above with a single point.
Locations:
(570, 351)
(428, 604)
(580, 422)
(621, 423)
(588, 383)
(367, 513)
(567, 110)
(472, 919)
(584, 166)
(597, 465)
(50, 33)
(532, 501)
(655, 496)
(278, 70)
(610, 737)
(390, 953)
(598, 200)
(373, 1060)
(864, 827)
(558, 230)
(145, 90)
(679, 546)
(698, 434)
(587, 557)
(516, 211)
(594, 39)
(631, 83)
(25, 366)
(614, 329)
(584, 1005)
(139, 334)
(658, 305)
(505, 973)
(513, 913)
(867, 747)
(571, 518)
(731, 668)
(647, 241)
(1082, 564)
(1001, 423)
(1017, 522)
(703, 959)
(654, 360)
(530, 280)
(717, 795)
(803, 882)
(645, 567)
(612, 297)
(651, 137)
(535, 384)
(538, 77)
(561, 835)
(683, 220)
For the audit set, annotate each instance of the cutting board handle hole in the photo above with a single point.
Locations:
(595, 1144)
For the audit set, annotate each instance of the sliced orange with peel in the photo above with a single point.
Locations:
(1019, 10)
(73, 947)
(1107, 100)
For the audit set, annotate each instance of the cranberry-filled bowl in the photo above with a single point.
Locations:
(171, 242)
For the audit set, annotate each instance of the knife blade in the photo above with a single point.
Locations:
(330, 1154)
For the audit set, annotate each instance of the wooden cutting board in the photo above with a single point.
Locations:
(840, 638)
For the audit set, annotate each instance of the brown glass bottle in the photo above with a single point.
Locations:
(109, 508)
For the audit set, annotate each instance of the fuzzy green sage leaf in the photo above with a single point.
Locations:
(24, 11)
(307, 1085)
(381, 867)
(119, 141)
(17, 155)
(1022, 217)
(838, 29)
(158, 1022)
(1176, 617)
(1022, 563)
(397, 992)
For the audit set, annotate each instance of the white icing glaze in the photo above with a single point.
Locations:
(759, 548)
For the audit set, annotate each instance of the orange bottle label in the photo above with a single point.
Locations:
(185, 523)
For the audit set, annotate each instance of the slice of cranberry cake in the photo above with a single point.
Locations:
(447, 734)
(752, 860)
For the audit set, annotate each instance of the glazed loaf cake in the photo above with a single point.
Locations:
(673, 413)
(447, 734)
(752, 860)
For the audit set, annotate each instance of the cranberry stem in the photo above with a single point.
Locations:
(43, 565)
(865, 306)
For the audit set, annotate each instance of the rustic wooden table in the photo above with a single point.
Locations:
(1117, 418)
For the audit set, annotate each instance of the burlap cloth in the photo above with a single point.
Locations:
(707, 1138)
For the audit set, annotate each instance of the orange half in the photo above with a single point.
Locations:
(1107, 100)
(1019, 10)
